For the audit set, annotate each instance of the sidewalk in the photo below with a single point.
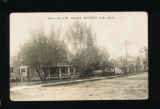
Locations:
(56, 83)
(69, 82)
(75, 81)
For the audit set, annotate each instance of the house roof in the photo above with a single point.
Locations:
(129, 58)
(60, 65)
(103, 50)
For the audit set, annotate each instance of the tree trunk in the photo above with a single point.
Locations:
(39, 73)
(49, 69)
(45, 74)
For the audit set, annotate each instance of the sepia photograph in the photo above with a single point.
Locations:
(72, 56)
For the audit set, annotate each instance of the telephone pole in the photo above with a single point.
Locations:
(126, 43)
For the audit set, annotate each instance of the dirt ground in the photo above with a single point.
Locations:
(122, 88)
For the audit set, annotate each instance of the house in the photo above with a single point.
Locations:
(60, 71)
(133, 63)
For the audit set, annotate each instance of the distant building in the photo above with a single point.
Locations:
(133, 63)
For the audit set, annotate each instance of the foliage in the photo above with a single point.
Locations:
(86, 56)
(121, 63)
(103, 58)
(43, 50)
(144, 56)
(83, 42)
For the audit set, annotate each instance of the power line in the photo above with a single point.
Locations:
(126, 43)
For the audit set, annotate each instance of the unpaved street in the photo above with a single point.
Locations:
(125, 88)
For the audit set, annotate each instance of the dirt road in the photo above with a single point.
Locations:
(123, 88)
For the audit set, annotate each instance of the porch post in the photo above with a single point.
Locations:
(49, 75)
(68, 70)
(20, 74)
(60, 75)
(74, 73)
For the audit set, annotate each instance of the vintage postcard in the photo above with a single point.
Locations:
(59, 56)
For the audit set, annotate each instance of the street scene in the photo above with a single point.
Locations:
(78, 56)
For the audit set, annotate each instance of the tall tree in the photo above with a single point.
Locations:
(103, 57)
(42, 50)
(82, 39)
(59, 50)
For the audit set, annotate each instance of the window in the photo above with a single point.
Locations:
(63, 69)
(22, 69)
(71, 69)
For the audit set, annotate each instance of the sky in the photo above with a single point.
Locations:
(112, 28)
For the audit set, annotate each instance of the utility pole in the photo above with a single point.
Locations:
(126, 43)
